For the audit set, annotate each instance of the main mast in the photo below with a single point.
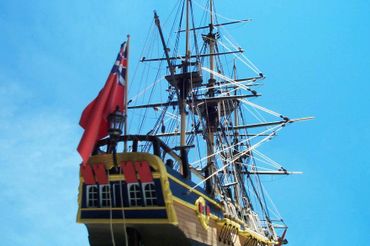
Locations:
(183, 93)
(211, 123)
(182, 84)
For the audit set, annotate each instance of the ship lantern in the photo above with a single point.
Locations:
(116, 120)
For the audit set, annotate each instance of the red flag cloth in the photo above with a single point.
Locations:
(94, 118)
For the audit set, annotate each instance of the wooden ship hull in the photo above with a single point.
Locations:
(151, 204)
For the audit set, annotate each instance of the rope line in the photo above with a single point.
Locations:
(235, 158)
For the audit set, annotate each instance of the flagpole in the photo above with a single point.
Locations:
(126, 92)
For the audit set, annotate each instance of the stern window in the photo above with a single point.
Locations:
(105, 197)
(134, 196)
(91, 196)
(150, 197)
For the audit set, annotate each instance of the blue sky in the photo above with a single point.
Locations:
(55, 56)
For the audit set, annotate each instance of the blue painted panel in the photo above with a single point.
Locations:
(129, 214)
(186, 181)
(159, 193)
(182, 192)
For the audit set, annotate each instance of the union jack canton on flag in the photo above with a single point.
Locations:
(120, 66)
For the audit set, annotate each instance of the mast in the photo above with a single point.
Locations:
(126, 92)
(183, 90)
(181, 82)
(237, 168)
(210, 117)
(187, 51)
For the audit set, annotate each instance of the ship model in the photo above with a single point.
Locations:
(192, 178)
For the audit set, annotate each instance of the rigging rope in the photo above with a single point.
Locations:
(240, 56)
(227, 79)
(207, 10)
(239, 143)
(133, 99)
(232, 161)
(110, 214)
(261, 108)
(220, 85)
(275, 211)
(123, 211)
(243, 55)
(268, 159)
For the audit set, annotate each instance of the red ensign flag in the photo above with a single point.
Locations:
(94, 118)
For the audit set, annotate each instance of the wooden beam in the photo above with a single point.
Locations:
(230, 128)
(192, 56)
(271, 172)
(204, 100)
(216, 25)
